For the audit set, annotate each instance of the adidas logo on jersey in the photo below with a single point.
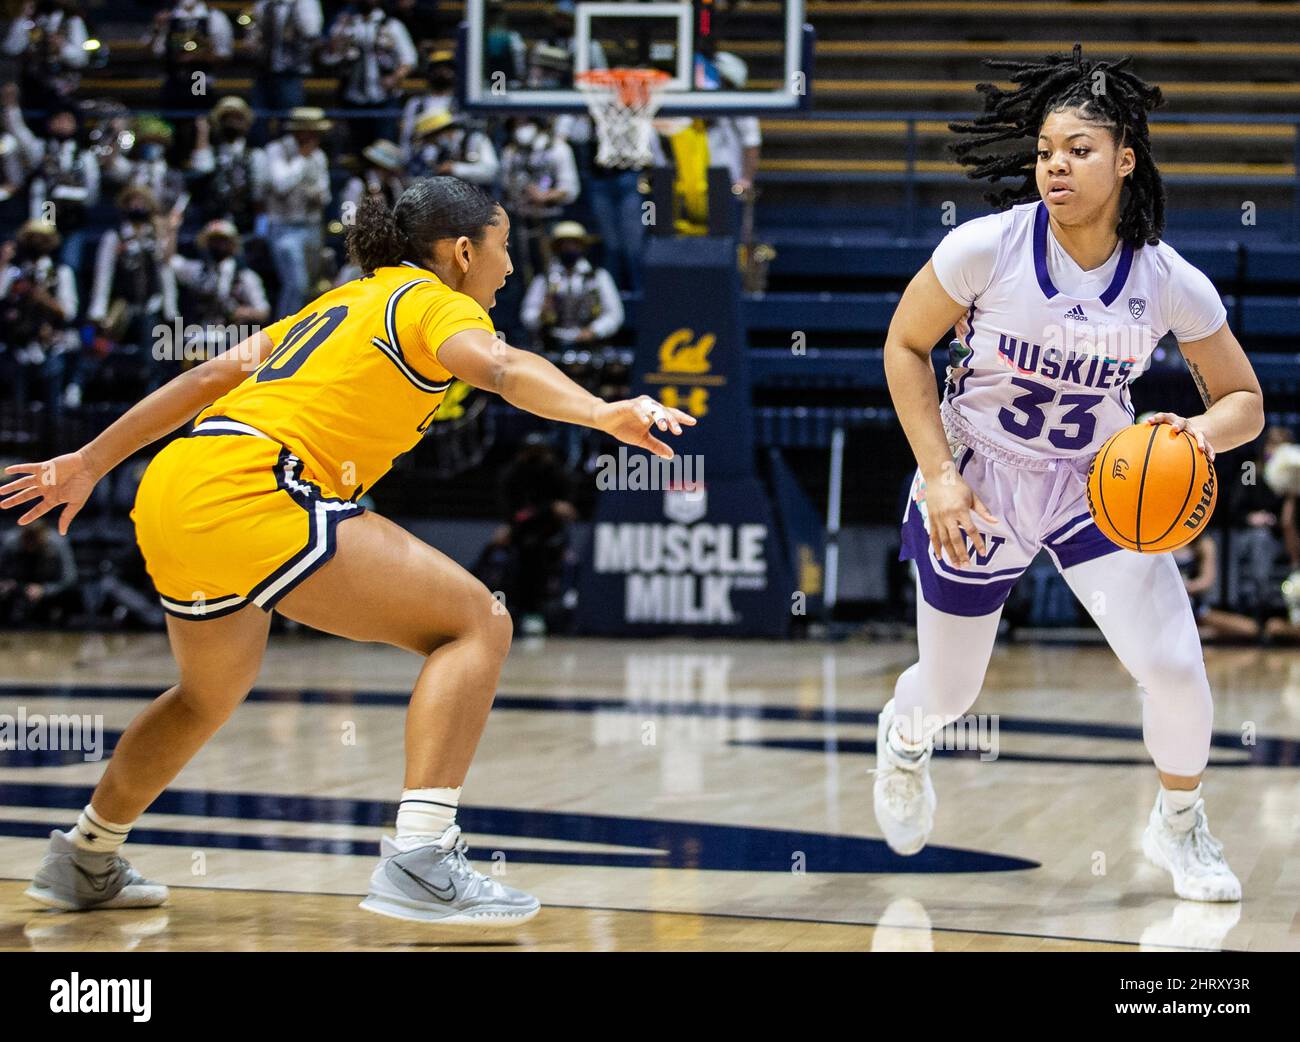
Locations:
(1076, 313)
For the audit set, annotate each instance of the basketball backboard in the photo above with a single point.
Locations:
(722, 56)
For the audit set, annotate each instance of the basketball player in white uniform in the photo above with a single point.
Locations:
(1058, 302)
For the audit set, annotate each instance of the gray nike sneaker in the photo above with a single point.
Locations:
(76, 880)
(437, 884)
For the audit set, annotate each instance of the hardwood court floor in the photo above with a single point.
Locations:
(668, 795)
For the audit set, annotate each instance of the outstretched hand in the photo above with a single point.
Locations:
(631, 421)
(65, 480)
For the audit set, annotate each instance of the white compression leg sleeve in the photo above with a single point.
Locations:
(1141, 606)
(945, 682)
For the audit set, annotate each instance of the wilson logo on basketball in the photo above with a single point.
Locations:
(1119, 469)
(1202, 509)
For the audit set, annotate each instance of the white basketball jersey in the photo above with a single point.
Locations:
(1044, 373)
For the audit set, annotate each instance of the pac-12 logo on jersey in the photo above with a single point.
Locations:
(1136, 306)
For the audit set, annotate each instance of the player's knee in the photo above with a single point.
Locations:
(1181, 680)
(212, 703)
(497, 630)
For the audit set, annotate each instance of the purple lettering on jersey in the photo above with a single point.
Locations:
(1103, 377)
(1052, 362)
(1072, 369)
(1007, 348)
(1125, 371)
(1031, 365)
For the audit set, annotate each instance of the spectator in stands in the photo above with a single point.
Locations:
(526, 556)
(147, 165)
(1199, 564)
(194, 41)
(693, 147)
(1264, 528)
(445, 145)
(13, 206)
(539, 178)
(218, 292)
(380, 175)
(572, 304)
(440, 74)
(123, 591)
(48, 37)
(64, 176)
(505, 55)
(285, 34)
(372, 53)
(421, 17)
(229, 176)
(298, 190)
(735, 142)
(38, 576)
(38, 312)
(134, 290)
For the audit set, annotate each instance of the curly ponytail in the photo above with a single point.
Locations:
(374, 239)
(432, 208)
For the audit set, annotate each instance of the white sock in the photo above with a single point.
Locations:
(1176, 806)
(94, 832)
(424, 815)
(904, 749)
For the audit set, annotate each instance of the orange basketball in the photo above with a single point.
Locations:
(1151, 489)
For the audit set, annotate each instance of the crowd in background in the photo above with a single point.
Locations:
(212, 219)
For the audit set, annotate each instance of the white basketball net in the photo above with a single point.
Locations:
(623, 103)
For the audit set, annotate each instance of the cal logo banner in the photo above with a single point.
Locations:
(692, 547)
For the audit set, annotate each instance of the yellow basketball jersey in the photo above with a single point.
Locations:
(354, 380)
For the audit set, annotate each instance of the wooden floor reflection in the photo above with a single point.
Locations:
(253, 921)
(669, 795)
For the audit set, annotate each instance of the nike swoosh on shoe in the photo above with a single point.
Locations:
(440, 893)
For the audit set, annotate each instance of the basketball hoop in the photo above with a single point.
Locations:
(622, 103)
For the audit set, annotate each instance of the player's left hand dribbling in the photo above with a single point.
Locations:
(1182, 423)
(631, 420)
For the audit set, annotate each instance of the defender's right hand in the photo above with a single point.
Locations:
(65, 480)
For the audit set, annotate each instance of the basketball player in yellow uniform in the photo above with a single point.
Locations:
(246, 514)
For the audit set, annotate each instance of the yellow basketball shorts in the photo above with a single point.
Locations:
(225, 517)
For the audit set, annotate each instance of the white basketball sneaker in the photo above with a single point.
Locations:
(1191, 855)
(437, 884)
(902, 793)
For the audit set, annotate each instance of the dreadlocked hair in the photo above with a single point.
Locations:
(432, 208)
(1106, 93)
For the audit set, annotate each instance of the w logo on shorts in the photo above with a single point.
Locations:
(991, 544)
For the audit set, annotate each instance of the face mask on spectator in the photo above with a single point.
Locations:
(221, 251)
(570, 255)
(231, 132)
(526, 134)
(138, 214)
(151, 151)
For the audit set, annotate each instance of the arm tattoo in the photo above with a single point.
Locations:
(1201, 386)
